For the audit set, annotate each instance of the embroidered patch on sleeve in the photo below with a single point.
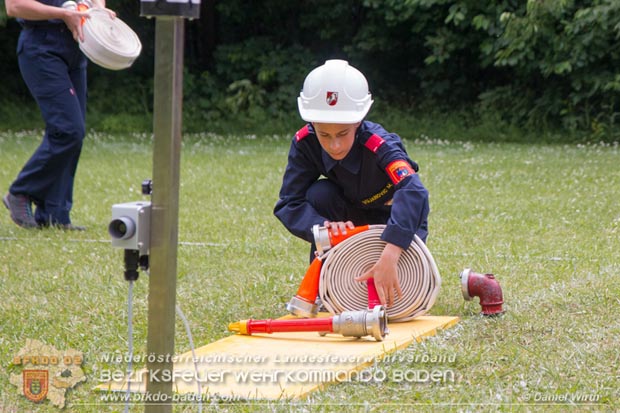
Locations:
(399, 170)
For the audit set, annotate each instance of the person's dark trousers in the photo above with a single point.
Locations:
(54, 70)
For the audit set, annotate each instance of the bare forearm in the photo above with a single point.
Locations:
(33, 10)
(391, 252)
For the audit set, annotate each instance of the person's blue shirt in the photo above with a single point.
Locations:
(377, 174)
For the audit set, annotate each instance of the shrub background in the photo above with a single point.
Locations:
(537, 65)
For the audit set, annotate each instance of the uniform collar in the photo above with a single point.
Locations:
(351, 162)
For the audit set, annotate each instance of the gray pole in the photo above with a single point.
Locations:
(167, 118)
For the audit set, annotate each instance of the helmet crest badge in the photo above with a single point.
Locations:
(331, 98)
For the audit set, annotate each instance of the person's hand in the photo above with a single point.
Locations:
(385, 274)
(73, 19)
(339, 227)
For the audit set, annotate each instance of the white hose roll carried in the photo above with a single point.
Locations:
(108, 41)
(417, 273)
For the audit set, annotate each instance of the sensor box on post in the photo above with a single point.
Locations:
(130, 227)
(173, 8)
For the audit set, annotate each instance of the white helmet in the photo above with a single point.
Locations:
(334, 93)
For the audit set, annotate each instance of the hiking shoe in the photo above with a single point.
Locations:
(20, 207)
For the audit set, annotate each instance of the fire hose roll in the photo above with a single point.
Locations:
(108, 41)
(417, 273)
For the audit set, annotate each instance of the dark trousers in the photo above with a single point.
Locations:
(54, 70)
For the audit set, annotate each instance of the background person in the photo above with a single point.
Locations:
(344, 171)
(54, 69)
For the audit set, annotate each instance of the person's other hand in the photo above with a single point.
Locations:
(385, 275)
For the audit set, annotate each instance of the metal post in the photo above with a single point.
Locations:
(167, 114)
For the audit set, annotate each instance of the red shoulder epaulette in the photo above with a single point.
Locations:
(373, 142)
(302, 133)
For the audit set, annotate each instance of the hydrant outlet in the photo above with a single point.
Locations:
(484, 286)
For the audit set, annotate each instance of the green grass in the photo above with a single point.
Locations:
(544, 219)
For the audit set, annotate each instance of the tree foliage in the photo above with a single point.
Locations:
(534, 63)
(565, 54)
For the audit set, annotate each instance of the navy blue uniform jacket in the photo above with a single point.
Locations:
(375, 173)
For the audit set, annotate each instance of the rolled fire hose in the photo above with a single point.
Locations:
(109, 42)
(417, 273)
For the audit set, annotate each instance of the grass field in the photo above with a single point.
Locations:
(545, 219)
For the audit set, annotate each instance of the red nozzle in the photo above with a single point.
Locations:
(269, 326)
(348, 323)
(484, 286)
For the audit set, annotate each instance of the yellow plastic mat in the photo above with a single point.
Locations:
(283, 365)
